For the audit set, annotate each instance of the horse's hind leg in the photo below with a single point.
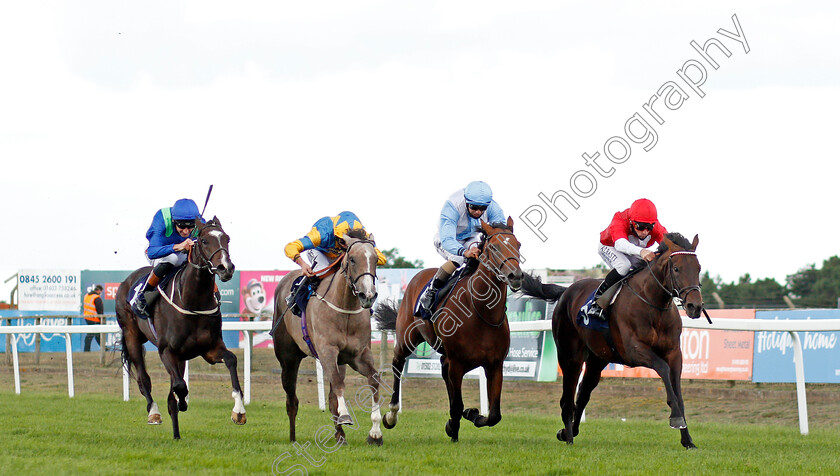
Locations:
(221, 353)
(494, 384)
(571, 373)
(453, 374)
(290, 359)
(591, 378)
(133, 353)
(404, 345)
(364, 365)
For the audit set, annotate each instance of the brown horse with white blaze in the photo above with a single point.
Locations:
(186, 323)
(644, 330)
(470, 329)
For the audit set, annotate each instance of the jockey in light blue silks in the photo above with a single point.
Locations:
(459, 233)
(170, 239)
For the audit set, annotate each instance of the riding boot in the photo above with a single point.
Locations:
(147, 293)
(594, 311)
(442, 275)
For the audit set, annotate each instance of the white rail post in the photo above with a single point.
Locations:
(125, 381)
(69, 346)
(187, 378)
(483, 400)
(16, 363)
(247, 396)
(798, 363)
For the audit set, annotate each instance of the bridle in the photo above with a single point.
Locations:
(675, 291)
(205, 262)
(345, 268)
(497, 269)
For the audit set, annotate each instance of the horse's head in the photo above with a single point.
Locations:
(500, 252)
(682, 270)
(212, 249)
(359, 266)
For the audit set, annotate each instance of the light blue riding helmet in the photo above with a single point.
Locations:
(478, 193)
(185, 209)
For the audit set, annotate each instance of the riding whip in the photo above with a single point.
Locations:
(207, 199)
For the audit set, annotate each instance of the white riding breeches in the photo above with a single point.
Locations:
(617, 260)
(469, 242)
(177, 259)
(316, 259)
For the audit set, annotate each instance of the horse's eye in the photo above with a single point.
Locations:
(676, 270)
(352, 261)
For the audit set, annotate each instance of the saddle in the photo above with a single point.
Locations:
(464, 271)
(141, 280)
(300, 294)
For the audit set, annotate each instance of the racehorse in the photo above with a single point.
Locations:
(644, 330)
(470, 329)
(186, 323)
(336, 324)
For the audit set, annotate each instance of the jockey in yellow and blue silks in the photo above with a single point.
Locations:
(323, 243)
(170, 239)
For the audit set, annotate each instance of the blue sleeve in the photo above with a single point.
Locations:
(495, 213)
(449, 228)
(159, 244)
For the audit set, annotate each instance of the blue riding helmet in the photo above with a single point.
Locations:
(478, 193)
(185, 209)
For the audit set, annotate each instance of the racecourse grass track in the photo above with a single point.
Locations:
(740, 428)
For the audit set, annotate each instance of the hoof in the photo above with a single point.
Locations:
(344, 420)
(154, 419)
(561, 435)
(238, 418)
(471, 414)
(387, 423)
(678, 423)
(692, 446)
(450, 432)
(374, 441)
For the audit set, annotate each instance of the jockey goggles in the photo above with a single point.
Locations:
(479, 208)
(641, 226)
(185, 224)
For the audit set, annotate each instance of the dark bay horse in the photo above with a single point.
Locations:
(186, 323)
(470, 329)
(644, 327)
(338, 327)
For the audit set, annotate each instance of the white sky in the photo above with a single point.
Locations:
(111, 110)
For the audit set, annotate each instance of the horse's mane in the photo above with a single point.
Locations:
(677, 239)
(358, 233)
(496, 225)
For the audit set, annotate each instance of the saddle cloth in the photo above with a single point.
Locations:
(462, 272)
(142, 280)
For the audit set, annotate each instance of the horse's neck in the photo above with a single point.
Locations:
(488, 293)
(196, 285)
(653, 290)
(340, 293)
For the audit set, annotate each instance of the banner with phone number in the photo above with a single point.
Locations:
(49, 290)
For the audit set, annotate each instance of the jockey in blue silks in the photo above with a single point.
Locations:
(170, 239)
(459, 232)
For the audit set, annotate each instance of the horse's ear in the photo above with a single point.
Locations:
(485, 227)
(695, 242)
(370, 237)
(510, 223)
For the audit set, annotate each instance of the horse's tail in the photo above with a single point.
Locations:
(386, 315)
(532, 286)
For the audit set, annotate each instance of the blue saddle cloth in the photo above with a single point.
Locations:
(302, 296)
(585, 321)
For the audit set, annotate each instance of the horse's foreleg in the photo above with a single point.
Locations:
(177, 386)
(365, 366)
(334, 374)
(571, 374)
(237, 415)
(453, 373)
(494, 387)
(670, 372)
(675, 367)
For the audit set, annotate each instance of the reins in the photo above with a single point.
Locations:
(204, 263)
(496, 271)
(674, 292)
(351, 282)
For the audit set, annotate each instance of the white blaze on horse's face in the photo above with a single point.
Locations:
(361, 271)
(217, 241)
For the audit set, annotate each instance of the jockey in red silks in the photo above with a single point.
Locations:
(631, 238)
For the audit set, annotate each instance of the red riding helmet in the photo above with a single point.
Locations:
(643, 210)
